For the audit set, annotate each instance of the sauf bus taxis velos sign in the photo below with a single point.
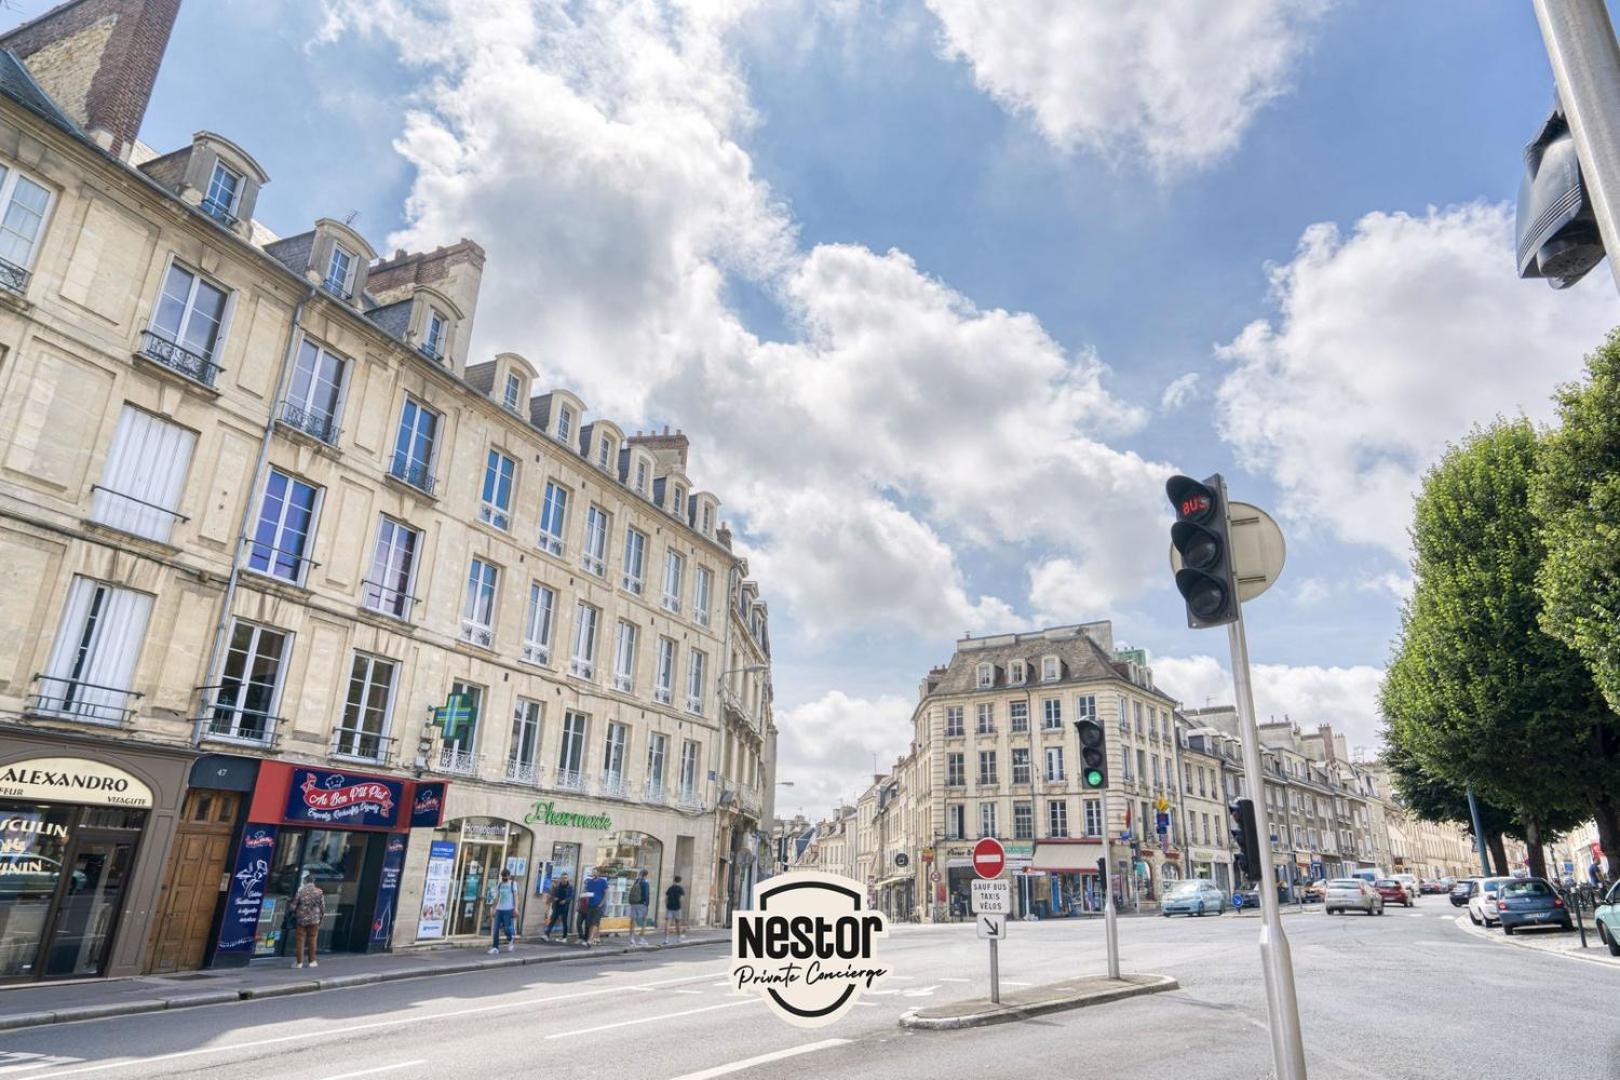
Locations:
(809, 946)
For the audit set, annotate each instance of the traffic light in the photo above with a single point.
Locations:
(1093, 755)
(1557, 229)
(1201, 538)
(1102, 876)
(1246, 839)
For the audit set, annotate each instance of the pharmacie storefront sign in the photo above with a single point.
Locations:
(72, 780)
(545, 812)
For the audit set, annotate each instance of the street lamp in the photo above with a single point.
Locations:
(746, 669)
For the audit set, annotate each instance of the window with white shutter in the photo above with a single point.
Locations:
(97, 646)
(144, 476)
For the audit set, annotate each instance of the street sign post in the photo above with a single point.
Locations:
(992, 903)
(992, 928)
(989, 858)
(992, 897)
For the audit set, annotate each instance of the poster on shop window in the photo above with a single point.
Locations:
(436, 889)
(388, 890)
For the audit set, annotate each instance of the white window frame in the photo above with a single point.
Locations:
(229, 207)
(615, 752)
(954, 722)
(587, 622)
(512, 394)
(351, 735)
(1052, 714)
(985, 676)
(1093, 817)
(303, 561)
(697, 662)
(91, 671)
(956, 821)
(576, 729)
(435, 332)
(523, 747)
(1023, 821)
(252, 662)
(539, 623)
(1015, 673)
(987, 819)
(989, 769)
(496, 512)
(408, 460)
(702, 592)
(674, 574)
(188, 310)
(665, 674)
(635, 561)
(1018, 717)
(657, 762)
(1054, 756)
(955, 769)
(593, 556)
(606, 451)
(343, 286)
(640, 473)
(1057, 818)
(1021, 767)
(625, 641)
(10, 180)
(479, 603)
(1051, 669)
(554, 518)
(565, 423)
(143, 478)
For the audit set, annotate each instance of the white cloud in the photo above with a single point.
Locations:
(1345, 697)
(1175, 81)
(827, 748)
(1181, 390)
(595, 150)
(1388, 342)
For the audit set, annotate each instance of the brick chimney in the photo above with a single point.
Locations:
(1326, 733)
(98, 59)
(455, 269)
(668, 448)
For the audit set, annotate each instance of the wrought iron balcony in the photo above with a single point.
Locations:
(672, 603)
(522, 772)
(434, 354)
(418, 474)
(385, 600)
(338, 289)
(224, 720)
(570, 780)
(175, 357)
(13, 278)
(694, 705)
(219, 212)
(663, 695)
(653, 792)
(689, 798)
(477, 634)
(593, 564)
(633, 585)
(581, 668)
(612, 785)
(535, 652)
(623, 683)
(357, 744)
(311, 422)
(551, 544)
(76, 699)
(457, 761)
(493, 515)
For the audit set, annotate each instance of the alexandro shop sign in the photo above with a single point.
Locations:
(809, 947)
(72, 780)
(545, 812)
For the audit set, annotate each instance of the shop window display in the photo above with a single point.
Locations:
(621, 856)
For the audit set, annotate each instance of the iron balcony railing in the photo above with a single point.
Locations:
(386, 600)
(279, 563)
(570, 780)
(663, 695)
(689, 798)
(321, 425)
(522, 772)
(581, 668)
(13, 278)
(418, 474)
(176, 357)
(79, 700)
(653, 791)
(455, 760)
(224, 720)
(694, 705)
(338, 289)
(357, 744)
(612, 785)
(633, 584)
(493, 515)
(477, 634)
(219, 212)
(623, 683)
(536, 652)
(433, 354)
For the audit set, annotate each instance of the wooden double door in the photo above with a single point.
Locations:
(195, 882)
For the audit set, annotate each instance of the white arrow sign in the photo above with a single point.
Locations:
(991, 927)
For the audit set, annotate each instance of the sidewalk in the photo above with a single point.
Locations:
(1035, 1001)
(89, 999)
(1550, 941)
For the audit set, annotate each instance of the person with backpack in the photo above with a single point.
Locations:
(592, 899)
(639, 897)
(673, 898)
(562, 892)
(504, 897)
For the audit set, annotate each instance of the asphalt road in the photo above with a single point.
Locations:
(1405, 995)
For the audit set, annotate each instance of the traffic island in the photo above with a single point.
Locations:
(1036, 1001)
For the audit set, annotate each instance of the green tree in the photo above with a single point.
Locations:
(1576, 500)
(1476, 693)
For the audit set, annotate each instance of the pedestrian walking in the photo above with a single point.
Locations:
(308, 910)
(639, 898)
(504, 897)
(562, 893)
(673, 898)
(592, 899)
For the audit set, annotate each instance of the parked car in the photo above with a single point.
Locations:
(1195, 896)
(1531, 902)
(1409, 882)
(1316, 892)
(1430, 887)
(1461, 890)
(1345, 894)
(1393, 892)
(1245, 896)
(1608, 919)
(1482, 899)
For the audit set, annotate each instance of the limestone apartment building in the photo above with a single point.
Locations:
(294, 585)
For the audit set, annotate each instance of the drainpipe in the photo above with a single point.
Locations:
(216, 653)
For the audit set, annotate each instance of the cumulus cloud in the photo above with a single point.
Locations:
(1346, 697)
(1175, 82)
(1181, 390)
(1388, 342)
(827, 748)
(596, 150)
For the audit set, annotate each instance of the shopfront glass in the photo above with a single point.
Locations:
(335, 860)
(620, 857)
(484, 847)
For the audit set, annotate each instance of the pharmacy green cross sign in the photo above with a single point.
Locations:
(453, 715)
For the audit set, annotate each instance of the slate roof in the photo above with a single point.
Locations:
(393, 318)
(481, 377)
(1080, 658)
(293, 251)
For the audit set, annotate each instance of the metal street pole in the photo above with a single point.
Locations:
(1282, 1005)
(995, 974)
(1110, 911)
(1586, 67)
(1479, 834)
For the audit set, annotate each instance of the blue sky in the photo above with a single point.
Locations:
(917, 274)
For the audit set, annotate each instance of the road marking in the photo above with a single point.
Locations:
(763, 1059)
(651, 1019)
(922, 991)
(948, 979)
(378, 1069)
(1013, 982)
(374, 1025)
(19, 1061)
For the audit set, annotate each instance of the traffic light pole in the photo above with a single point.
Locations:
(1287, 1042)
(1586, 67)
(1110, 909)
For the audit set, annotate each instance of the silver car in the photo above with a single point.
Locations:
(1352, 894)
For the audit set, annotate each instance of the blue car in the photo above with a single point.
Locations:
(1195, 896)
(1530, 902)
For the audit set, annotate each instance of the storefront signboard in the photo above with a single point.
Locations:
(343, 799)
(245, 897)
(546, 812)
(72, 780)
(388, 889)
(427, 808)
(436, 889)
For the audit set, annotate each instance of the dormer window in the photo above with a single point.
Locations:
(986, 676)
(707, 522)
(339, 272)
(224, 194)
(514, 389)
(1049, 669)
(677, 505)
(1015, 672)
(434, 333)
(565, 423)
(641, 478)
(606, 451)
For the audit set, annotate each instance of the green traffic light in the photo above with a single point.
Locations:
(1094, 778)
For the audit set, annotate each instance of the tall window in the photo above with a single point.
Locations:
(1015, 672)
(1054, 764)
(461, 733)
(478, 608)
(674, 570)
(985, 719)
(953, 721)
(363, 732)
(955, 770)
(571, 751)
(677, 502)
(282, 537)
(624, 657)
(664, 684)
(525, 744)
(565, 423)
(1049, 669)
(1057, 818)
(707, 522)
(1085, 707)
(316, 392)
(1018, 716)
(689, 772)
(1124, 715)
(985, 676)
(537, 624)
(1023, 821)
(514, 390)
(190, 314)
(435, 333)
(249, 684)
(641, 478)
(144, 476)
(635, 560)
(987, 768)
(339, 271)
(594, 559)
(695, 666)
(413, 446)
(702, 590)
(224, 191)
(496, 507)
(956, 821)
(393, 569)
(657, 751)
(613, 754)
(553, 517)
(987, 819)
(1020, 763)
(1094, 817)
(25, 204)
(93, 661)
(1052, 714)
(583, 661)
(606, 452)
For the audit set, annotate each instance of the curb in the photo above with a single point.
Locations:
(1462, 923)
(1002, 1014)
(192, 999)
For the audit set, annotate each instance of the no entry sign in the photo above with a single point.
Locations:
(989, 858)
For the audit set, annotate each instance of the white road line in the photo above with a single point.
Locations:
(1013, 982)
(651, 1019)
(373, 1026)
(11, 1063)
(763, 1059)
(948, 979)
(378, 1069)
